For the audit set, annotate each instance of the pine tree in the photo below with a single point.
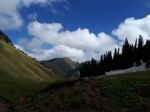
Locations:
(140, 42)
(130, 54)
(140, 54)
(93, 67)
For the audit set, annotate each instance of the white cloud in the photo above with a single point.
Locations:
(9, 11)
(9, 22)
(131, 28)
(79, 45)
(59, 52)
(9, 15)
(80, 38)
(19, 47)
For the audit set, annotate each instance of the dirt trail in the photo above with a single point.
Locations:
(81, 95)
(5, 105)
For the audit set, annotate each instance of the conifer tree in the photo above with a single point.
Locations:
(130, 54)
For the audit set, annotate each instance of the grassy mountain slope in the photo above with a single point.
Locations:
(19, 74)
(61, 66)
(120, 93)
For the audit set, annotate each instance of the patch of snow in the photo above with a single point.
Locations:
(129, 70)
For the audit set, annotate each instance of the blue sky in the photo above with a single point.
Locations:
(96, 15)
(96, 19)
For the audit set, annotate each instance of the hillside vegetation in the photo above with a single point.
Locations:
(120, 93)
(19, 74)
(61, 66)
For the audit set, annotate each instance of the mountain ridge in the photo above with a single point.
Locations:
(61, 66)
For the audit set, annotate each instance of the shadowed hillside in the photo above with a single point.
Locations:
(120, 93)
(61, 66)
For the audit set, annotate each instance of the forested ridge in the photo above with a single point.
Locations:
(127, 56)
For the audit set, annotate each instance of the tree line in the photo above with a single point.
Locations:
(127, 56)
(4, 37)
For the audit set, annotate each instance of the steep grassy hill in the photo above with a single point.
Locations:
(61, 66)
(19, 74)
(120, 93)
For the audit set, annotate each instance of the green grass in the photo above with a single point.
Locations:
(13, 89)
(21, 75)
(127, 93)
(120, 93)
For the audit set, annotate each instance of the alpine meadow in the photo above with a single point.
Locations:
(74, 56)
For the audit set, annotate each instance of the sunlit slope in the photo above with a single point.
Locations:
(20, 73)
(18, 65)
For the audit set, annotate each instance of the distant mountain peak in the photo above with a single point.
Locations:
(64, 58)
(61, 66)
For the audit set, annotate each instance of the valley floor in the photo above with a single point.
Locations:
(119, 93)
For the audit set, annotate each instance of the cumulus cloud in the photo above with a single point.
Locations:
(131, 28)
(79, 45)
(9, 11)
(80, 38)
(59, 52)
(9, 15)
